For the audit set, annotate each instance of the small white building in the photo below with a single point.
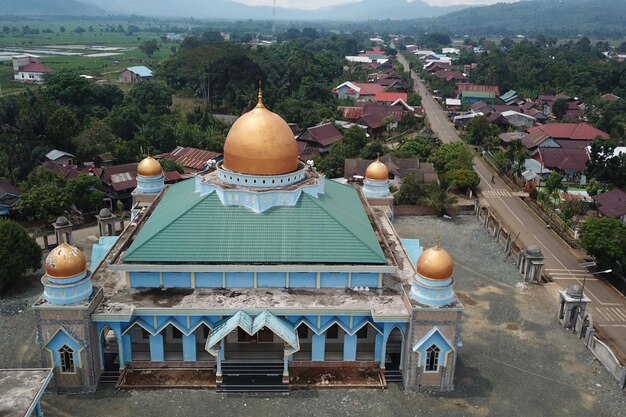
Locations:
(28, 69)
(61, 157)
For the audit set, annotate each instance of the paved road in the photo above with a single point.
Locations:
(608, 306)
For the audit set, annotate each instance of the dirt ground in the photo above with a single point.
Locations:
(170, 377)
(515, 359)
(334, 376)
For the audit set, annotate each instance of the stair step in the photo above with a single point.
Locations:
(252, 388)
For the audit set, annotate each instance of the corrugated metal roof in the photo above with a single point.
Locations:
(141, 71)
(187, 227)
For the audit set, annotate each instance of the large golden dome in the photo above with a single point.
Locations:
(65, 261)
(149, 167)
(377, 171)
(435, 263)
(260, 143)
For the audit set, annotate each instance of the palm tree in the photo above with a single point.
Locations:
(441, 200)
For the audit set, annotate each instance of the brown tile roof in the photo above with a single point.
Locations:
(7, 188)
(564, 159)
(369, 89)
(611, 203)
(188, 157)
(351, 113)
(325, 135)
(476, 87)
(571, 131)
(67, 172)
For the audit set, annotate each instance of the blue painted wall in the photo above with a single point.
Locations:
(334, 280)
(145, 279)
(177, 279)
(209, 280)
(302, 279)
(271, 279)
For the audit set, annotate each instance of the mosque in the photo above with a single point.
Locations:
(255, 268)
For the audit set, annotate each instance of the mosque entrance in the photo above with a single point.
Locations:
(393, 354)
(262, 346)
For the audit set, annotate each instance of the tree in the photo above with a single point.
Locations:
(95, 140)
(414, 99)
(441, 200)
(62, 127)
(450, 156)
(462, 179)
(149, 47)
(372, 149)
(479, 131)
(604, 239)
(411, 190)
(45, 195)
(554, 184)
(168, 166)
(603, 165)
(84, 191)
(559, 109)
(355, 139)
(418, 148)
(150, 96)
(62, 29)
(68, 89)
(18, 252)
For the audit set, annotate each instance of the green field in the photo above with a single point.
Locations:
(97, 34)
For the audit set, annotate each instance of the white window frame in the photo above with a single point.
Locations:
(429, 366)
(65, 367)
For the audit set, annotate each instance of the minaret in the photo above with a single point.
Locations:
(433, 284)
(150, 182)
(67, 279)
(376, 182)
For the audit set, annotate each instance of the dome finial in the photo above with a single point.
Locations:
(438, 241)
(260, 102)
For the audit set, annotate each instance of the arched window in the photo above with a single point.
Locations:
(432, 358)
(67, 359)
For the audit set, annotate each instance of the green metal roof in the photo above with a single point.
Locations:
(508, 95)
(187, 227)
(479, 94)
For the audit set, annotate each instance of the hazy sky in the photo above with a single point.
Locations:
(314, 4)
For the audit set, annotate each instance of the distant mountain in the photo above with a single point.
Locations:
(224, 9)
(549, 17)
(48, 8)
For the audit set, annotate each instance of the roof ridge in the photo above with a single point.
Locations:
(359, 238)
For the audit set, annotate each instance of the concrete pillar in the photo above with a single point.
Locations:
(189, 347)
(126, 351)
(349, 347)
(38, 410)
(220, 358)
(379, 350)
(318, 347)
(157, 352)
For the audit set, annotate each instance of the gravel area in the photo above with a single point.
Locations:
(515, 361)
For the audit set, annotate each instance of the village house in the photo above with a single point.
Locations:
(561, 135)
(571, 162)
(9, 195)
(472, 93)
(135, 74)
(28, 69)
(319, 138)
(358, 91)
(61, 157)
(612, 204)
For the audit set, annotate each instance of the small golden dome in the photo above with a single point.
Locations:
(65, 261)
(149, 167)
(377, 171)
(261, 143)
(435, 263)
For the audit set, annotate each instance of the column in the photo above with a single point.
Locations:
(189, 347)
(126, 351)
(318, 347)
(379, 350)
(38, 410)
(157, 353)
(220, 357)
(349, 347)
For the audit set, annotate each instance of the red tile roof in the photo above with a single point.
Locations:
(612, 203)
(193, 158)
(568, 159)
(571, 131)
(390, 97)
(124, 177)
(369, 89)
(351, 113)
(32, 67)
